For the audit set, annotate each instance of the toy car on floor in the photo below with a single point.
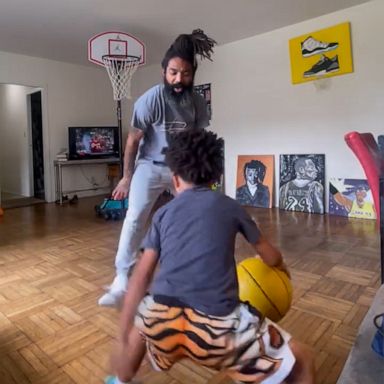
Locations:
(112, 209)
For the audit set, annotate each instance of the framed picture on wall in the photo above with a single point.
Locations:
(254, 186)
(219, 185)
(351, 198)
(320, 54)
(302, 183)
(205, 91)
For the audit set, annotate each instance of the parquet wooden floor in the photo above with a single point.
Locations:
(55, 260)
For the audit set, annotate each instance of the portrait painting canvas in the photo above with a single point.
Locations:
(219, 185)
(254, 186)
(302, 179)
(351, 198)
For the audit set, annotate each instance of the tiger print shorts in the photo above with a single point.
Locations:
(251, 350)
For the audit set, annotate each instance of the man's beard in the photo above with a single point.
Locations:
(181, 96)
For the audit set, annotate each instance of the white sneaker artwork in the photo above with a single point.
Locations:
(311, 46)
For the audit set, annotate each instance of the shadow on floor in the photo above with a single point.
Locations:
(20, 202)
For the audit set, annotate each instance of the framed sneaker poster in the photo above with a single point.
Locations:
(320, 54)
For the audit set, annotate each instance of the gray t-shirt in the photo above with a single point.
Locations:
(159, 115)
(195, 237)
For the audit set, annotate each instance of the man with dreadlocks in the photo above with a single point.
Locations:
(193, 308)
(162, 111)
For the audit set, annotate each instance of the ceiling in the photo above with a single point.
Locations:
(60, 29)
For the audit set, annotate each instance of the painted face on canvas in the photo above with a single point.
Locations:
(310, 170)
(361, 194)
(251, 175)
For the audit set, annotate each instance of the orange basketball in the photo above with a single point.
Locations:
(268, 289)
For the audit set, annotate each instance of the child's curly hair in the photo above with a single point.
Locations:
(196, 155)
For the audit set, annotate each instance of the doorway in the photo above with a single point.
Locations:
(37, 146)
(22, 176)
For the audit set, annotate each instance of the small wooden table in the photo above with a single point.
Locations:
(59, 165)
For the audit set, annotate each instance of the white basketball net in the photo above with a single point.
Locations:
(120, 71)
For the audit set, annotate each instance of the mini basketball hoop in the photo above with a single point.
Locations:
(120, 54)
(120, 70)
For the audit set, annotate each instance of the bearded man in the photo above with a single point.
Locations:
(159, 113)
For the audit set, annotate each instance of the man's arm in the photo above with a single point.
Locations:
(317, 196)
(138, 286)
(130, 153)
(202, 115)
(282, 195)
(340, 198)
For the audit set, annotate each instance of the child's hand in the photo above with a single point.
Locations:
(283, 267)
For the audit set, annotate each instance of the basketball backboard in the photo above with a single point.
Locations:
(115, 44)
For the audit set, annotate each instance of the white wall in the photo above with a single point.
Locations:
(72, 95)
(14, 143)
(258, 111)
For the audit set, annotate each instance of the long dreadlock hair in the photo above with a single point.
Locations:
(196, 155)
(187, 47)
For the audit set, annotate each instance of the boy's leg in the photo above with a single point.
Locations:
(127, 358)
(260, 348)
(303, 371)
(155, 320)
(146, 186)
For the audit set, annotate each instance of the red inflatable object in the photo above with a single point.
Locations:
(365, 147)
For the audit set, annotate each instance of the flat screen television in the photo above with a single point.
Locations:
(93, 142)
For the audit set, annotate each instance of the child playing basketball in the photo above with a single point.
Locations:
(193, 308)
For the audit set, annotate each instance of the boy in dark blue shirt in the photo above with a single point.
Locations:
(193, 309)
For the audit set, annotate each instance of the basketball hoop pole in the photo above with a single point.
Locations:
(120, 128)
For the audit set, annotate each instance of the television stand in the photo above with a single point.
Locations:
(59, 165)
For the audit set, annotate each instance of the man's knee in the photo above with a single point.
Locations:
(135, 219)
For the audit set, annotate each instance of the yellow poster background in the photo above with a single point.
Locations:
(337, 53)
